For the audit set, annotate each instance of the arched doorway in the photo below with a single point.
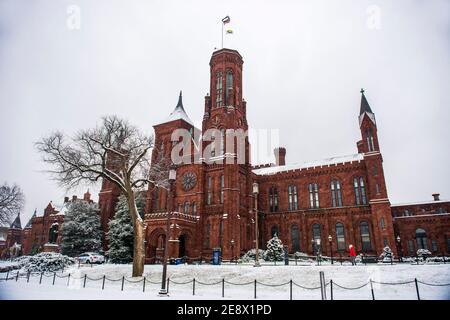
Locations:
(182, 246)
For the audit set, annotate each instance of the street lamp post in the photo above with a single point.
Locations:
(330, 239)
(255, 195)
(400, 249)
(312, 245)
(172, 177)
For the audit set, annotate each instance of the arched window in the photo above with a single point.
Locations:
(382, 224)
(365, 236)
(336, 194)
(194, 209)
(369, 139)
(229, 87)
(219, 89)
(421, 239)
(313, 195)
(360, 191)
(295, 238)
(274, 231)
(292, 198)
(340, 236)
(210, 192)
(161, 241)
(186, 207)
(316, 231)
(180, 207)
(273, 199)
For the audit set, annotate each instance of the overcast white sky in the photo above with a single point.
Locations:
(304, 64)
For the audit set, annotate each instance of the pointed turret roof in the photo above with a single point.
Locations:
(30, 222)
(16, 223)
(179, 113)
(365, 109)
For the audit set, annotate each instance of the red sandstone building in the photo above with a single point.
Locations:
(344, 197)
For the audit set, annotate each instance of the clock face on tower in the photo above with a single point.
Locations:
(189, 180)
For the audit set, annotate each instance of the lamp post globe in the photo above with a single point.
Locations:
(330, 240)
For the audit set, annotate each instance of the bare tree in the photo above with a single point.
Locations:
(11, 202)
(116, 151)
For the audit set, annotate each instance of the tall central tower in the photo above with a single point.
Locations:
(227, 179)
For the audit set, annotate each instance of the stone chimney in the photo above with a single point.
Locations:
(280, 156)
(74, 198)
(436, 196)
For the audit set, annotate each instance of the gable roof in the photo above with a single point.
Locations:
(16, 223)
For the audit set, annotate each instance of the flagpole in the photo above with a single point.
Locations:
(222, 33)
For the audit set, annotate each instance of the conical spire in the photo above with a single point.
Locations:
(16, 223)
(30, 222)
(180, 101)
(365, 109)
(364, 104)
(179, 113)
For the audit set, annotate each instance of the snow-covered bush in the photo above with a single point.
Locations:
(250, 255)
(386, 255)
(44, 262)
(423, 253)
(275, 251)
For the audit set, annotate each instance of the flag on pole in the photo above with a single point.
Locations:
(226, 20)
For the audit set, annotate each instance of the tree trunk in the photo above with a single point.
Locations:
(138, 246)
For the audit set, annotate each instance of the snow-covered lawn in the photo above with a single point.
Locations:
(305, 276)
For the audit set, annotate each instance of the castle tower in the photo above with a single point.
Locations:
(376, 184)
(226, 155)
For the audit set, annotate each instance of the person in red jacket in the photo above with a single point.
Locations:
(352, 254)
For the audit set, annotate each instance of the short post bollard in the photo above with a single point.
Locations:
(417, 288)
(28, 276)
(84, 283)
(331, 289)
(143, 287)
(123, 281)
(40, 279)
(54, 276)
(223, 288)
(17, 275)
(255, 288)
(68, 280)
(7, 275)
(371, 289)
(167, 286)
(193, 287)
(290, 290)
(103, 284)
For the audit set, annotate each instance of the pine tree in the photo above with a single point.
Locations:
(275, 251)
(121, 234)
(81, 231)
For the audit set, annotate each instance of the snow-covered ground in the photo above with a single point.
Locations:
(306, 276)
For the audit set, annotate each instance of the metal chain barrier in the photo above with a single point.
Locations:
(351, 288)
(434, 284)
(306, 288)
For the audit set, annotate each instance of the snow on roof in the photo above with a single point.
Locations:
(418, 202)
(179, 113)
(312, 164)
